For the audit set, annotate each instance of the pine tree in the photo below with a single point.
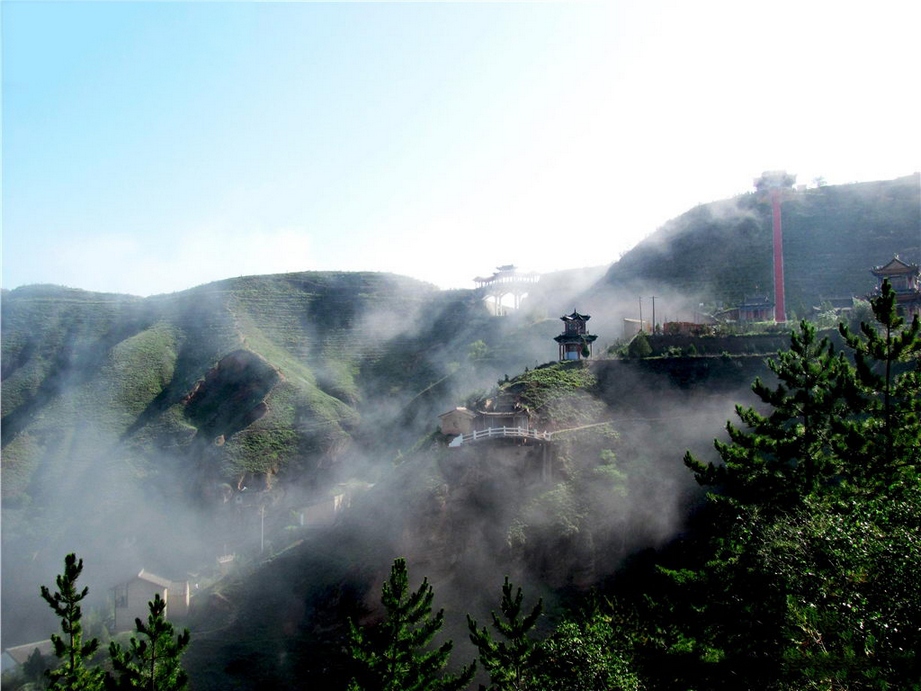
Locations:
(396, 657)
(886, 436)
(732, 607)
(152, 661)
(800, 577)
(34, 670)
(509, 662)
(790, 452)
(73, 673)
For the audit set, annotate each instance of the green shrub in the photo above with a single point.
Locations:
(639, 347)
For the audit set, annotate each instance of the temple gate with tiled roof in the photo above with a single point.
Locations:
(905, 280)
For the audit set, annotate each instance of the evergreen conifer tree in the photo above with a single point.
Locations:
(34, 670)
(784, 455)
(800, 575)
(510, 661)
(152, 660)
(395, 657)
(72, 674)
(886, 434)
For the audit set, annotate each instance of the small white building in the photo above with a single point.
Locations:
(633, 326)
(15, 657)
(457, 422)
(324, 513)
(132, 598)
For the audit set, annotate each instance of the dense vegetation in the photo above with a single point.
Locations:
(798, 575)
(122, 413)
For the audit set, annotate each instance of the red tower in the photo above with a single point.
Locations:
(775, 183)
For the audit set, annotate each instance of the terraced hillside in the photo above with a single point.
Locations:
(145, 423)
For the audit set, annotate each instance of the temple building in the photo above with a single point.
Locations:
(757, 309)
(905, 280)
(507, 280)
(575, 341)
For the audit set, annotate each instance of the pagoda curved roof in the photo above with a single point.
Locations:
(575, 338)
(575, 316)
(895, 266)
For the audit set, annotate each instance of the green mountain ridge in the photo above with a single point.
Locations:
(720, 253)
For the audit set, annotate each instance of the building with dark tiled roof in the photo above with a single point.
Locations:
(905, 280)
(575, 341)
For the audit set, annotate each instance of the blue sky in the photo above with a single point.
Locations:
(151, 147)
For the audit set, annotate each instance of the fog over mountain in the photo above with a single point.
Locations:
(292, 420)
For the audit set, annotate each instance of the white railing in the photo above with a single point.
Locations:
(502, 432)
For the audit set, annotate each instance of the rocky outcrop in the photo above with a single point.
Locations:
(232, 394)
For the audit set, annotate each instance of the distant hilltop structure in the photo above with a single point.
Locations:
(507, 280)
(905, 280)
(575, 341)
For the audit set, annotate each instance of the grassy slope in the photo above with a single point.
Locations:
(124, 365)
(89, 375)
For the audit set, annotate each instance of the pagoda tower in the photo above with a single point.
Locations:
(575, 341)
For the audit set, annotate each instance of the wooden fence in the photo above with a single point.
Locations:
(505, 432)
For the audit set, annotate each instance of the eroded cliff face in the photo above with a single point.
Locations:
(496, 506)
(232, 395)
(470, 510)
